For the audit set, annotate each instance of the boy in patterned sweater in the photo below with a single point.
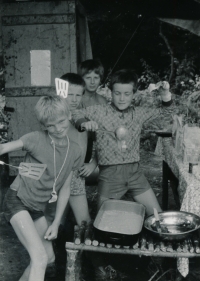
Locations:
(118, 127)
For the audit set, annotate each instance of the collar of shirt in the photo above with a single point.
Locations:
(131, 107)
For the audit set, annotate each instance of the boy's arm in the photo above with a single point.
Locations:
(167, 106)
(11, 146)
(63, 198)
(83, 116)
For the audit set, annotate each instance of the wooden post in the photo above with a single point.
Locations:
(73, 266)
(165, 173)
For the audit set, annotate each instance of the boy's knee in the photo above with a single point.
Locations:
(40, 259)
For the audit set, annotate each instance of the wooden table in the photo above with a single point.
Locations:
(146, 246)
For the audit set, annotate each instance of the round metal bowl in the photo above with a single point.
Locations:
(179, 225)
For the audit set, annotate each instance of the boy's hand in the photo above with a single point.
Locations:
(164, 91)
(87, 169)
(90, 126)
(51, 232)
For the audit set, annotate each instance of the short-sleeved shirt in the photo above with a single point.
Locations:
(36, 193)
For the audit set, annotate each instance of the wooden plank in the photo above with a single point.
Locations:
(83, 247)
(165, 173)
(36, 8)
(38, 19)
(73, 49)
(30, 91)
(72, 40)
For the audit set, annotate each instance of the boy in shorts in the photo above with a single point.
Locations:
(118, 127)
(77, 200)
(25, 201)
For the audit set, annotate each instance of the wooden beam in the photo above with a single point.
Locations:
(29, 91)
(38, 19)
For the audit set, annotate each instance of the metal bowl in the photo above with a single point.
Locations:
(179, 225)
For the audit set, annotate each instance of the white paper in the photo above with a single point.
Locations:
(40, 67)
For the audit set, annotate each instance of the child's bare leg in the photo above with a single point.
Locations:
(149, 200)
(27, 233)
(79, 207)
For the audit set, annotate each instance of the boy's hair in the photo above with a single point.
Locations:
(50, 106)
(88, 66)
(124, 76)
(73, 79)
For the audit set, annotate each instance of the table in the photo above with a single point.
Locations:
(145, 246)
(186, 186)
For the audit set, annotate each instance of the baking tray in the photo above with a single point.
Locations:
(119, 222)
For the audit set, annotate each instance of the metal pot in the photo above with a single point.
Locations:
(180, 225)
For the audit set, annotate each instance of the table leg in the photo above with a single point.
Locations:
(165, 178)
(174, 186)
(73, 265)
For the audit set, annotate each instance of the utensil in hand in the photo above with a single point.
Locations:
(61, 87)
(157, 222)
(30, 170)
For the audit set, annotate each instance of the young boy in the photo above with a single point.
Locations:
(118, 127)
(77, 200)
(25, 201)
(92, 72)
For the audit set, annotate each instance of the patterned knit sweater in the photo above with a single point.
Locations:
(109, 118)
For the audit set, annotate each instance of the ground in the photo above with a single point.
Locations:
(14, 258)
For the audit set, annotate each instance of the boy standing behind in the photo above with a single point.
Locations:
(77, 200)
(118, 141)
(92, 72)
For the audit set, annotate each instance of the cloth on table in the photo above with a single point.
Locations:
(188, 189)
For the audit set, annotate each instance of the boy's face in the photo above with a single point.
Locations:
(74, 96)
(122, 95)
(57, 126)
(92, 81)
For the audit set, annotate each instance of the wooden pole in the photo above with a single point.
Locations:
(73, 266)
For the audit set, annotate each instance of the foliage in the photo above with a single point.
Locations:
(148, 76)
(185, 76)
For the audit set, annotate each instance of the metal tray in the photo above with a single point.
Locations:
(119, 222)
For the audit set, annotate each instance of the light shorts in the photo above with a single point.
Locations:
(116, 180)
(77, 184)
(12, 205)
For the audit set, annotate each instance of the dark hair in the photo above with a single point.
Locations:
(124, 76)
(88, 66)
(73, 79)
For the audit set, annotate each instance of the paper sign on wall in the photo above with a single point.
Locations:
(40, 67)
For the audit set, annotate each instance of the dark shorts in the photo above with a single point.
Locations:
(12, 205)
(116, 180)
